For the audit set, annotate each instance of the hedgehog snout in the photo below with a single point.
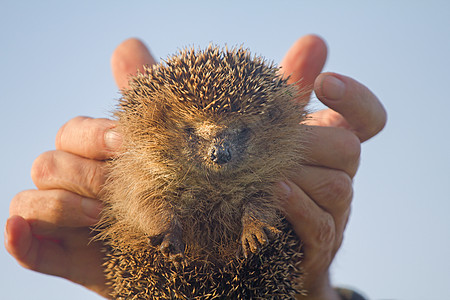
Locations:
(220, 153)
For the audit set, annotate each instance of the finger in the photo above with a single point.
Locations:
(73, 257)
(62, 170)
(129, 57)
(331, 190)
(309, 221)
(334, 148)
(32, 252)
(52, 209)
(89, 138)
(326, 118)
(361, 110)
(314, 226)
(304, 60)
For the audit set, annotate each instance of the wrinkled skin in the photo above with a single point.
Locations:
(48, 229)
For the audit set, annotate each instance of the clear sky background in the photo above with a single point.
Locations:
(55, 65)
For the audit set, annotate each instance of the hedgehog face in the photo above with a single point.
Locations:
(210, 112)
(216, 147)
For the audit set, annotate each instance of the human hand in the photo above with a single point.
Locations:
(317, 201)
(48, 229)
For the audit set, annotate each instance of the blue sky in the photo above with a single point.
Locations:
(54, 65)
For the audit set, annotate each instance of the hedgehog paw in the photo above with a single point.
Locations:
(172, 247)
(256, 235)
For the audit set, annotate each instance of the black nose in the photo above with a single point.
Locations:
(220, 154)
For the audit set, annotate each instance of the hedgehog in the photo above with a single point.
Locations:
(191, 210)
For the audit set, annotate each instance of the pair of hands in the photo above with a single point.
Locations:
(48, 229)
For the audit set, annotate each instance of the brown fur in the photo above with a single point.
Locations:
(169, 186)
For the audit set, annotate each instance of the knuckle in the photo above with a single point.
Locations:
(65, 131)
(17, 202)
(327, 230)
(352, 148)
(43, 168)
(339, 191)
(340, 186)
(95, 177)
(55, 205)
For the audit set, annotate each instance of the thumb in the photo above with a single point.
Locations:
(304, 60)
(129, 57)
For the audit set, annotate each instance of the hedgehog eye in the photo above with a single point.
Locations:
(273, 113)
(244, 133)
(189, 130)
(190, 133)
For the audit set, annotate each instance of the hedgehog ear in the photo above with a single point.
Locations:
(273, 113)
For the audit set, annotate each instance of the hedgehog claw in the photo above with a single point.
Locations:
(256, 235)
(253, 240)
(178, 260)
(172, 247)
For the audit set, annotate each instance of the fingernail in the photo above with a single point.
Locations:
(112, 139)
(91, 208)
(333, 88)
